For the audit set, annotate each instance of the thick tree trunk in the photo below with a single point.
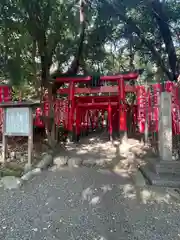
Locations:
(162, 22)
(74, 67)
(76, 62)
(46, 86)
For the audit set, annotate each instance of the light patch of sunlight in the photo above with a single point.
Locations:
(148, 195)
(116, 143)
(87, 193)
(109, 147)
(81, 151)
(124, 175)
(121, 172)
(106, 188)
(98, 145)
(110, 155)
(129, 191)
(124, 147)
(70, 148)
(93, 139)
(104, 171)
(100, 162)
(83, 146)
(89, 148)
(95, 200)
(145, 196)
(100, 238)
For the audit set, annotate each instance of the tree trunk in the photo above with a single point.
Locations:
(46, 86)
(162, 22)
(76, 62)
(36, 80)
(131, 53)
(74, 67)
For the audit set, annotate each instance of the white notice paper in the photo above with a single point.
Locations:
(17, 121)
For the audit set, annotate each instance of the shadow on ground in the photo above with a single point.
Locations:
(122, 158)
(98, 151)
(85, 203)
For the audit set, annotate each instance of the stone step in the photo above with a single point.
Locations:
(172, 163)
(162, 179)
(166, 180)
(164, 170)
(168, 167)
(158, 166)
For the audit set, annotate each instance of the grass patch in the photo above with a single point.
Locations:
(11, 169)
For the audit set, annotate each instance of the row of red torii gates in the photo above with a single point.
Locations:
(78, 113)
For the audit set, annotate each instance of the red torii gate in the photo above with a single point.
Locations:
(91, 102)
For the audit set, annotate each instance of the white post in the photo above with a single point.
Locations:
(30, 138)
(165, 127)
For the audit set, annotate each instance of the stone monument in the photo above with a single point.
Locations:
(163, 170)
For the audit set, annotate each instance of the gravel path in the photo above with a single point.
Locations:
(85, 204)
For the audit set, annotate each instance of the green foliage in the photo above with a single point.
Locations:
(50, 28)
(95, 82)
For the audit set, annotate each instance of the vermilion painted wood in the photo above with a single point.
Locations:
(122, 112)
(128, 76)
(96, 99)
(71, 108)
(103, 89)
(110, 119)
(96, 105)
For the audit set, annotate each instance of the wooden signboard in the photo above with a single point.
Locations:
(18, 121)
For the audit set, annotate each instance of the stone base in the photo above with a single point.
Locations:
(162, 173)
(171, 167)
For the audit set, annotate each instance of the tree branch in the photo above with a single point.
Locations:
(56, 36)
(134, 27)
(162, 22)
